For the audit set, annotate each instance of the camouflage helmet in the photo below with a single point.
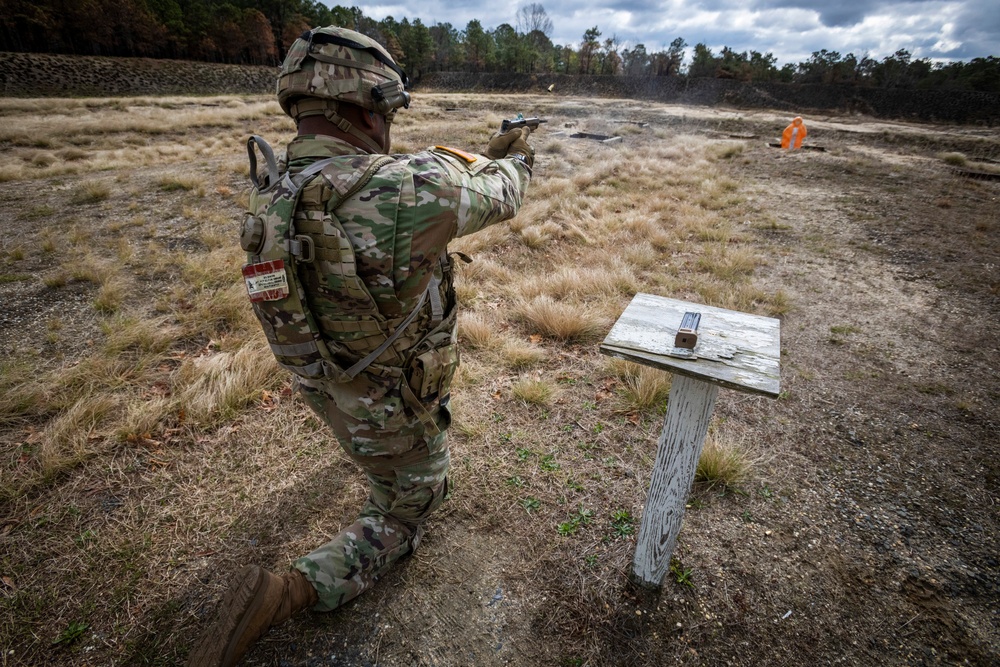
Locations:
(341, 65)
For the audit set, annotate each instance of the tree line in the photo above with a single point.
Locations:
(257, 32)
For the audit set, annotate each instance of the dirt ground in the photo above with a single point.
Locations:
(873, 539)
(869, 534)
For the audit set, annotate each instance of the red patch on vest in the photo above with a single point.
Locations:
(266, 281)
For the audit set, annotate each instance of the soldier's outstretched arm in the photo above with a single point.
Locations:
(473, 190)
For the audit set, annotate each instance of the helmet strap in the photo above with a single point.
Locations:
(328, 108)
(345, 125)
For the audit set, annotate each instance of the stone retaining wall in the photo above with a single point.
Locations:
(45, 75)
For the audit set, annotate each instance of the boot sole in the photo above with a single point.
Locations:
(217, 647)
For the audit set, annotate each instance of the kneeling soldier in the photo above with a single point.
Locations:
(349, 274)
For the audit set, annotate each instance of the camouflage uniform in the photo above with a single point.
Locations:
(349, 274)
(391, 418)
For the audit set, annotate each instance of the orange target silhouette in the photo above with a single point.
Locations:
(794, 134)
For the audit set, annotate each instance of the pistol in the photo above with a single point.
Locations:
(521, 121)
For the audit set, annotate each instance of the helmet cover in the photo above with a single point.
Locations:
(342, 65)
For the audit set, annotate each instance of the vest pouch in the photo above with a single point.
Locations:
(431, 372)
(293, 340)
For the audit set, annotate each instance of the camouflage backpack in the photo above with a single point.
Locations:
(274, 249)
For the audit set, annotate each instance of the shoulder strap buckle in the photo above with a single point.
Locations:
(302, 248)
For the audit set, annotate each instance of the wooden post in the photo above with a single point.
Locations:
(688, 413)
(734, 350)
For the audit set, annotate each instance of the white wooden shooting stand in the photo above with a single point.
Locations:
(734, 350)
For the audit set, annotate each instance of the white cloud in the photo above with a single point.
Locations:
(790, 29)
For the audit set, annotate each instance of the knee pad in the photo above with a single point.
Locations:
(415, 506)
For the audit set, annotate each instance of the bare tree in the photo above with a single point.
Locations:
(532, 17)
(611, 61)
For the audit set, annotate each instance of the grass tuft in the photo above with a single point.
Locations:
(90, 192)
(11, 172)
(130, 333)
(520, 356)
(72, 154)
(729, 264)
(642, 387)
(73, 435)
(20, 391)
(477, 331)
(954, 159)
(536, 237)
(559, 320)
(533, 391)
(110, 297)
(214, 388)
(174, 182)
(725, 461)
(727, 151)
(216, 269)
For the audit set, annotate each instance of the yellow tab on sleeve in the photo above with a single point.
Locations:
(461, 155)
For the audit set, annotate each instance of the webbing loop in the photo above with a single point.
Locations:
(272, 164)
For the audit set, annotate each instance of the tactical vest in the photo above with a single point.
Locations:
(316, 312)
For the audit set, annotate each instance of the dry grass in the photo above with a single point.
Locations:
(155, 388)
(477, 331)
(643, 388)
(146, 335)
(560, 321)
(729, 264)
(109, 297)
(534, 391)
(90, 192)
(954, 159)
(593, 282)
(519, 355)
(19, 392)
(213, 388)
(66, 439)
(727, 460)
(10, 172)
(180, 182)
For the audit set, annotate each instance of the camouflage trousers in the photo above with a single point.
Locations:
(407, 472)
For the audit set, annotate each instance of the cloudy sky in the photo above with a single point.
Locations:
(790, 29)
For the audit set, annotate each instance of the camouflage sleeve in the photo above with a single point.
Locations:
(449, 193)
(400, 222)
(481, 191)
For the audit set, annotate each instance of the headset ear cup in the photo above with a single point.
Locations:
(389, 96)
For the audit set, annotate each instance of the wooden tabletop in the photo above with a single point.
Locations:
(735, 350)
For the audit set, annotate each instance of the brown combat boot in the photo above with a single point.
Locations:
(256, 601)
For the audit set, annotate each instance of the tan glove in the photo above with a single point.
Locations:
(512, 143)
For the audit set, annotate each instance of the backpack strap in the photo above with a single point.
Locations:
(337, 198)
(301, 247)
(377, 352)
